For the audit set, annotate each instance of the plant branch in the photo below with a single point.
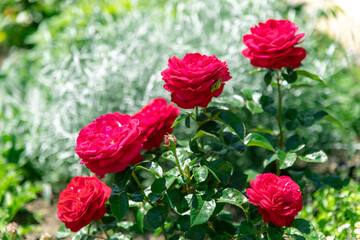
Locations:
(140, 186)
(180, 170)
(279, 118)
(100, 223)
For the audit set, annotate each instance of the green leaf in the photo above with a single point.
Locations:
(139, 218)
(306, 229)
(257, 71)
(270, 159)
(155, 217)
(121, 178)
(318, 157)
(274, 232)
(196, 232)
(251, 174)
(286, 159)
(187, 121)
(194, 146)
(178, 120)
(222, 170)
(119, 204)
(158, 186)
(233, 122)
(63, 232)
(154, 168)
(333, 120)
(216, 85)
(290, 76)
(201, 210)
(200, 173)
(171, 176)
(255, 139)
(311, 76)
(268, 77)
(291, 114)
(202, 133)
(295, 86)
(234, 197)
(183, 223)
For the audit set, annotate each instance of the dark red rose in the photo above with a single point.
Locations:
(110, 143)
(82, 201)
(156, 119)
(278, 198)
(272, 45)
(195, 79)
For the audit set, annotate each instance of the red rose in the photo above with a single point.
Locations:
(110, 143)
(82, 201)
(195, 79)
(272, 45)
(156, 119)
(278, 198)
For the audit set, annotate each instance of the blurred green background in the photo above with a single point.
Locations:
(66, 62)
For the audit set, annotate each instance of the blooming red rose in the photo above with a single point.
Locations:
(272, 45)
(110, 143)
(156, 119)
(82, 201)
(195, 79)
(278, 198)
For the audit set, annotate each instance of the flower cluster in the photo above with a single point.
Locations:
(113, 141)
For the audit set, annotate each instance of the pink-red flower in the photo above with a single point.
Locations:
(278, 198)
(156, 119)
(82, 201)
(195, 79)
(272, 45)
(110, 143)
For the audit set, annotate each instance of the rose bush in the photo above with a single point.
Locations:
(195, 79)
(272, 45)
(82, 201)
(110, 143)
(156, 119)
(193, 180)
(278, 198)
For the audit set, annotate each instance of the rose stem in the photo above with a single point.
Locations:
(180, 170)
(88, 231)
(164, 233)
(140, 186)
(281, 141)
(101, 222)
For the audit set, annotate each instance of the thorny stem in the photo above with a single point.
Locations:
(279, 117)
(140, 186)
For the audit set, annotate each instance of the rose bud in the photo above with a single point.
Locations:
(272, 45)
(170, 140)
(11, 228)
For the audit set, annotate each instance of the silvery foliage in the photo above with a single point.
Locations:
(113, 64)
